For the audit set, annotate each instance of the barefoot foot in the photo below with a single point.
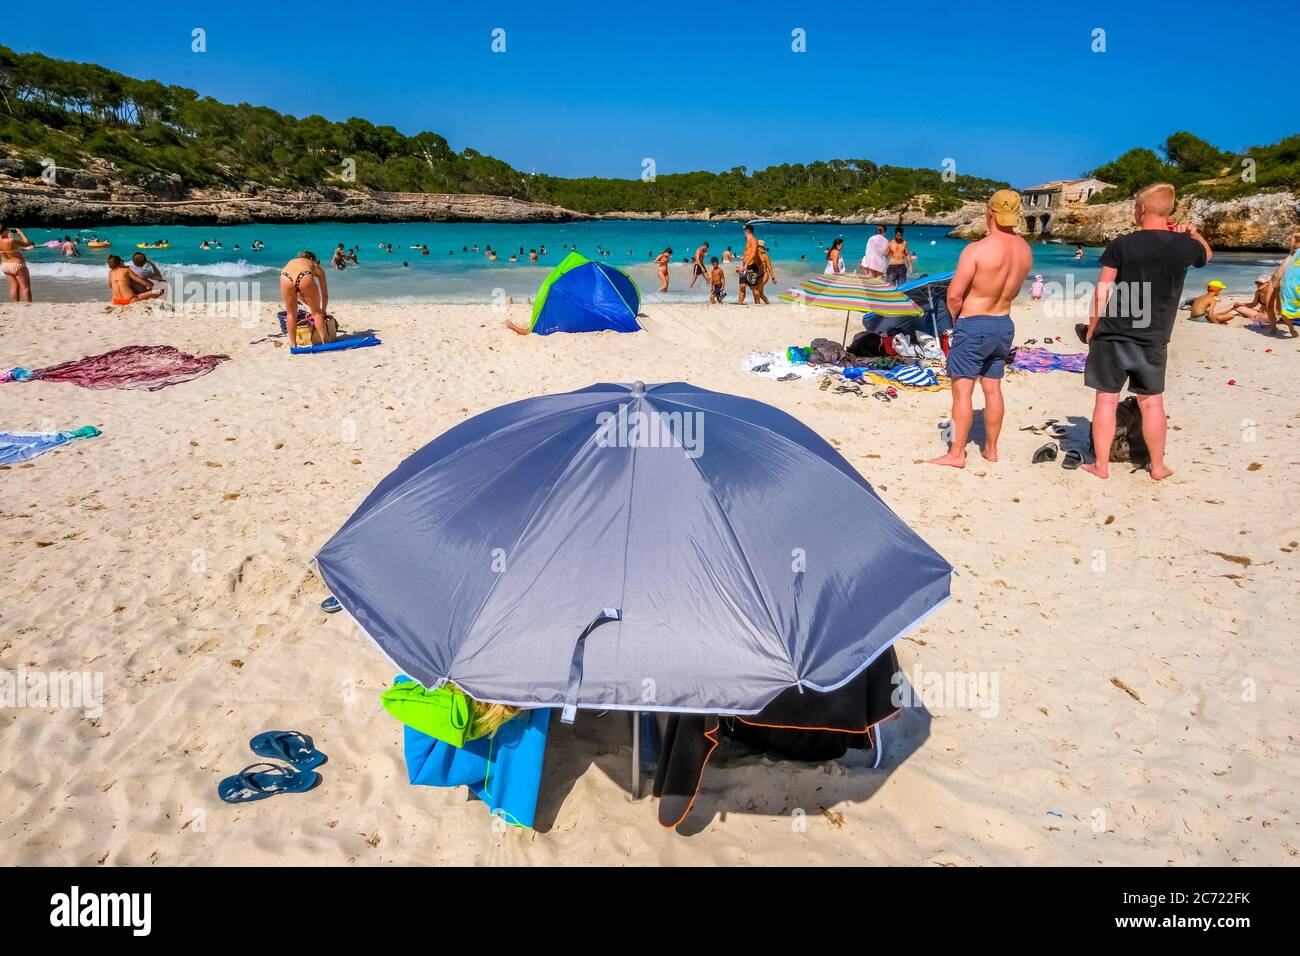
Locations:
(951, 460)
(1162, 472)
(990, 453)
(1098, 470)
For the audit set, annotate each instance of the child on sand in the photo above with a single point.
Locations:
(718, 279)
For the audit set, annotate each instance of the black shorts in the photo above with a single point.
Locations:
(1112, 362)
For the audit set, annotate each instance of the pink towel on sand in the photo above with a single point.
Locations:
(149, 367)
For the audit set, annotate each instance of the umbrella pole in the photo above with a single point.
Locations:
(845, 339)
(636, 755)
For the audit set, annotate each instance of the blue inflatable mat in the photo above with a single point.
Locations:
(358, 343)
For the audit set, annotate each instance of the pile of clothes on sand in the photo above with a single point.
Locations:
(911, 361)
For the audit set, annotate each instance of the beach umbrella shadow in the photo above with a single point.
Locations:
(739, 778)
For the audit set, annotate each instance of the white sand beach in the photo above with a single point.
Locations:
(1143, 634)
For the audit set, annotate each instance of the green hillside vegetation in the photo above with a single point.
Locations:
(1197, 167)
(75, 112)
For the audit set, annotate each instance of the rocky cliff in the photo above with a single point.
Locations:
(913, 214)
(83, 198)
(1263, 222)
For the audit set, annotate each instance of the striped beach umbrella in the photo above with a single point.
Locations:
(852, 293)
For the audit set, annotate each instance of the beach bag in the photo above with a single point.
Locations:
(826, 352)
(1128, 443)
(750, 277)
(443, 714)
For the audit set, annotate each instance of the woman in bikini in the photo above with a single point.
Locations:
(662, 261)
(303, 280)
(12, 243)
(835, 258)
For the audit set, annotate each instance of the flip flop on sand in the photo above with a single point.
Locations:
(331, 605)
(1046, 453)
(291, 746)
(261, 780)
(882, 396)
(1072, 460)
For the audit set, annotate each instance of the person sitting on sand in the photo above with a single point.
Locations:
(1129, 332)
(990, 274)
(12, 243)
(1256, 310)
(661, 262)
(145, 268)
(126, 286)
(303, 280)
(1208, 308)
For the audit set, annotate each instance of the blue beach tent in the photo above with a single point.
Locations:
(585, 296)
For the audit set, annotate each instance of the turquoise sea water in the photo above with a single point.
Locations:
(450, 273)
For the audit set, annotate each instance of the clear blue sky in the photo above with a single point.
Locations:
(1010, 91)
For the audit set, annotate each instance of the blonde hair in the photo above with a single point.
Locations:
(489, 718)
(1157, 199)
(486, 719)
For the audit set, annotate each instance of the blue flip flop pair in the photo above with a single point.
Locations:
(261, 780)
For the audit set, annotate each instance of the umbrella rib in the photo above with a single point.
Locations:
(401, 491)
(528, 525)
(788, 441)
(749, 570)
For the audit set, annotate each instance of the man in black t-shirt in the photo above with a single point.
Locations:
(1132, 320)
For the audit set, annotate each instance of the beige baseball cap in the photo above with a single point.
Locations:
(1005, 204)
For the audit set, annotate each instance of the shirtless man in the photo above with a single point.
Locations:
(12, 243)
(126, 286)
(699, 269)
(749, 260)
(989, 276)
(898, 256)
(1256, 310)
(302, 279)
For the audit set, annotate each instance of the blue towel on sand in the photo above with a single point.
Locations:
(504, 771)
(20, 446)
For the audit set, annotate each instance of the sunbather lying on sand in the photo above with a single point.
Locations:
(126, 286)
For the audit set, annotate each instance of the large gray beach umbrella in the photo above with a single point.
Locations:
(637, 547)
